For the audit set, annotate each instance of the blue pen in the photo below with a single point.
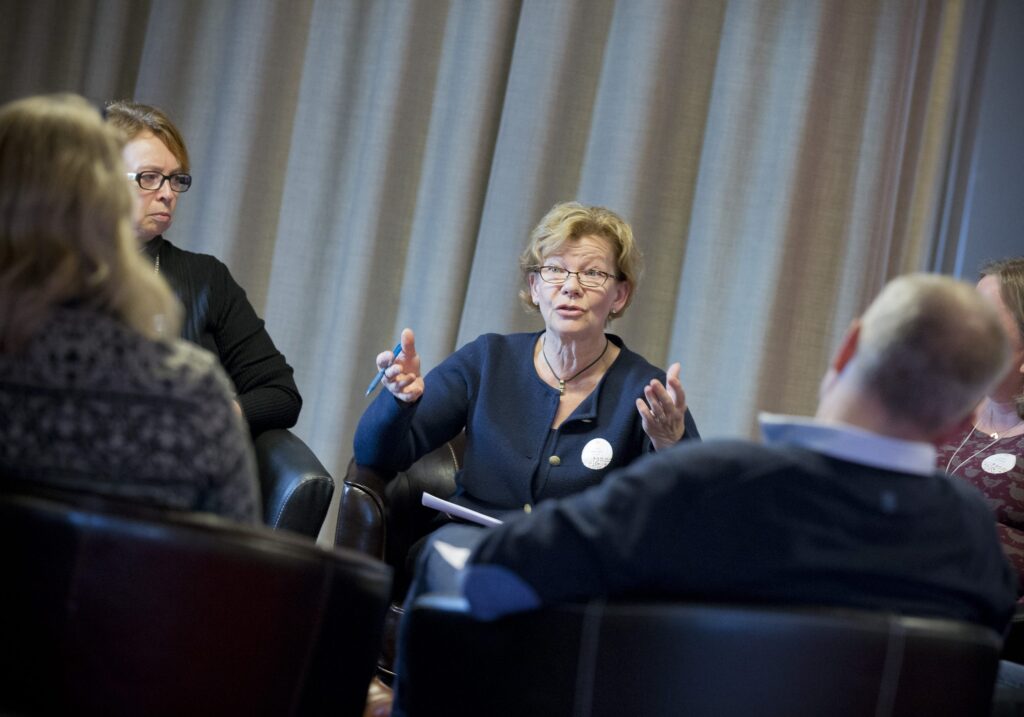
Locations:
(380, 374)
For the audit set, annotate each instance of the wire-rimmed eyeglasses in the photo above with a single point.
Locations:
(590, 278)
(149, 181)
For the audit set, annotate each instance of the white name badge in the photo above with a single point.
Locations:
(597, 454)
(999, 463)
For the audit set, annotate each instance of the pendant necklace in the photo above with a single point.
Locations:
(563, 381)
(995, 437)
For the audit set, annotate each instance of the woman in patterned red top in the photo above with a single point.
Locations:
(990, 454)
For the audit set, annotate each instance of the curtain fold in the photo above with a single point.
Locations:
(366, 165)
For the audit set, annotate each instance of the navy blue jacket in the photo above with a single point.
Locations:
(490, 388)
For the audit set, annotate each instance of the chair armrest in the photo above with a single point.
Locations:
(380, 511)
(296, 487)
(362, 512)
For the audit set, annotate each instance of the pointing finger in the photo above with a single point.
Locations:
(408, 343)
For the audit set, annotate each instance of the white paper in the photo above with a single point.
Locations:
(457, 511)
(453, 555)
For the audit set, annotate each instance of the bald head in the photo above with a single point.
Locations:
(929, 349)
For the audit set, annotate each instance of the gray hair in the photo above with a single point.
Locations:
(930, 348)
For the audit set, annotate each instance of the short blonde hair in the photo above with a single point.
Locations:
(571, 220)
(65, 223)
(135, 118)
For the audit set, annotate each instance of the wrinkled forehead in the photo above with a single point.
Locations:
(589, 247)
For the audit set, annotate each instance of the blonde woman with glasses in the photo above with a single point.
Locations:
(548, 413)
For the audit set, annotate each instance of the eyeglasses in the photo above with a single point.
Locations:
(154, 180)
(590, 278)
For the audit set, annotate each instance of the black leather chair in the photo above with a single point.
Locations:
(696, 660)
(380, 512)
(1013, 646)
(114, 609)
(296, 487)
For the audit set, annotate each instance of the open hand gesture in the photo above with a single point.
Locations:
(662, 415)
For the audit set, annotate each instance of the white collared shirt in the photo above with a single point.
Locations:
(849, 443)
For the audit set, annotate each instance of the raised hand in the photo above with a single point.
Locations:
(402, 373)
(663, 414)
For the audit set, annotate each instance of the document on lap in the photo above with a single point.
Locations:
(453, 555)
(457, 511)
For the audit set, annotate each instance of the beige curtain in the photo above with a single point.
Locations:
(367, 165)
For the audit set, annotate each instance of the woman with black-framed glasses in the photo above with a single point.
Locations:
(549, 413)
(218, 315)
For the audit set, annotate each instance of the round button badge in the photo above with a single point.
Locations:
(597, 454)
(999, 463)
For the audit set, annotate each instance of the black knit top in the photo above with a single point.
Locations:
(219, 317)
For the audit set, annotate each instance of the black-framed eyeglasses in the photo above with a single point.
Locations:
(590, 278)
(180, 182)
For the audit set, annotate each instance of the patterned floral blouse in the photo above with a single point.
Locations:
(91, 405)
(996, 468)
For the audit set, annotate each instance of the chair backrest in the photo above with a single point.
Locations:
(695, 660)
(296, 487)
(109, 608)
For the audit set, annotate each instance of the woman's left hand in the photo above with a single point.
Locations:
(663, 414)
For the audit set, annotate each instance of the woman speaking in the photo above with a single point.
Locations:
(549, 413)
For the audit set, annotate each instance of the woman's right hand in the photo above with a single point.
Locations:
(402, 373)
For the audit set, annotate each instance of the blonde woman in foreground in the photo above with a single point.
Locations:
(93, 398)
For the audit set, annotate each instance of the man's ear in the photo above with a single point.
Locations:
(847, 348)
(840, 358)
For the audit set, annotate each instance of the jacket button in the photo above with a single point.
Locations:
(527, 508)
(555, 461)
